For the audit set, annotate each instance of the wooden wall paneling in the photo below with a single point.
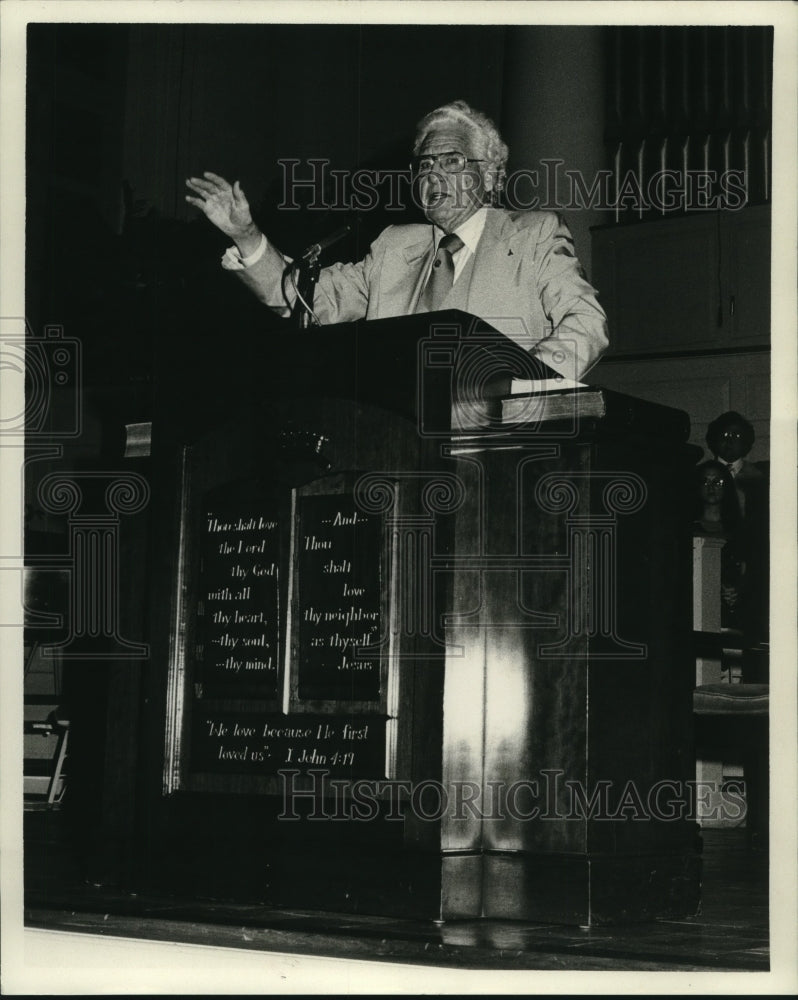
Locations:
(702, 386)
(696, 282)
(658, 283)
(747, 304)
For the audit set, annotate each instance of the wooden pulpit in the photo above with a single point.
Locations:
(422, 632)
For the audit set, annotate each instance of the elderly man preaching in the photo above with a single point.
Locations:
(514, 269)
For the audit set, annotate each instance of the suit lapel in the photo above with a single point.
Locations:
(488, 282)
(417, 259)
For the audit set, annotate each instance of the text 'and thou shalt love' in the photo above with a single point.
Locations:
(339, 588)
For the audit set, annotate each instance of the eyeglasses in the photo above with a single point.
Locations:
(450, 163)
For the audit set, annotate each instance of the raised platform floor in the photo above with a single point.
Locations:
(730, 933)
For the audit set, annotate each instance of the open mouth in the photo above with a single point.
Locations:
(434, 199)
(432, 195)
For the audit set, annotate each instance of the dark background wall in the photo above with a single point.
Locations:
(120, 115)
(235, 99)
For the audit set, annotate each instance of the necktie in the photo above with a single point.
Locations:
(441, 277)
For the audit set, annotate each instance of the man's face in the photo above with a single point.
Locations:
(732, 442)
(449, 199)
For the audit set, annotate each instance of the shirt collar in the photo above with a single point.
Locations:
(470, 231)
(733, 467)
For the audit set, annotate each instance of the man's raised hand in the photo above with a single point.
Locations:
(227, 208)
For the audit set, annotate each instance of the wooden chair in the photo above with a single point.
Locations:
(45, 732)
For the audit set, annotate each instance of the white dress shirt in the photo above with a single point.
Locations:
(469, 232)
(233, 261)
(733, 467)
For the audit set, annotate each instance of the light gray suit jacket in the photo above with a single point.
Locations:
(524, 279)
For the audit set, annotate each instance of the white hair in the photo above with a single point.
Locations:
(458, 112)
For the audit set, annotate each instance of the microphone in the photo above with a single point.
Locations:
(315, 249)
